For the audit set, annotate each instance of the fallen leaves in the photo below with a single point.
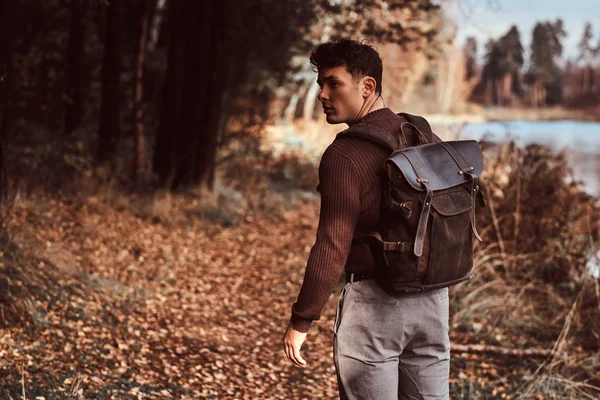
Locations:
(183, 312)
(185, 309)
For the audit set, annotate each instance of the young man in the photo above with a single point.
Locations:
(386, 346)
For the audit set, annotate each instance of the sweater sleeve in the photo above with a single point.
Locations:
(340, 207)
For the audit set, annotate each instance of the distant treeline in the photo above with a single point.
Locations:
(508, 79)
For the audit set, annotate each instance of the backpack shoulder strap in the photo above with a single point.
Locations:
(421, 124)
(372, 134)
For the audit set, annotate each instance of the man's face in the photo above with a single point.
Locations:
(340, 96)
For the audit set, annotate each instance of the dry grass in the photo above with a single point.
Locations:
(532, 288)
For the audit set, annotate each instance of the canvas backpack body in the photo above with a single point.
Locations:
(427, 211)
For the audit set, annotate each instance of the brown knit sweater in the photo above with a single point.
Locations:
(349, 183)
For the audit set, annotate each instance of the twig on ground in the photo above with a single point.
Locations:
(484, 348)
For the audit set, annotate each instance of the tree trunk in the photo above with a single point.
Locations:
(290, 110)
(535, 95)
(585, 79)
(309, 102)
(419, 66)
(7, 28)
(507, 89)
(489, 91)
(539, 94)
(544, 95)
(213, 98)
(185, 152)
(74, 101)
(108, 132)
(171, 118)
(140, 151)
(500, 91)
(154, 73)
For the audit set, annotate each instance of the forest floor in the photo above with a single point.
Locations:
(134, 302)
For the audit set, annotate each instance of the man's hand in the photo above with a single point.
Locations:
(292, 341)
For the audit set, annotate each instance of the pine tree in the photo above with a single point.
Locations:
(471, 56)
(586, 55)
(492, 71)
(510, 63)
(544, 75)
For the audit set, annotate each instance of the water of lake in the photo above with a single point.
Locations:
(580, 139)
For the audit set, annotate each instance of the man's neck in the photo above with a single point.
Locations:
(375, 105)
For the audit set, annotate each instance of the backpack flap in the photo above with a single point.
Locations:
(434, 163)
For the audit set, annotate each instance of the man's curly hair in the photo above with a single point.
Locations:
(360, 59)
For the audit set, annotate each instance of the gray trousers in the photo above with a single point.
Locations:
(391, 347)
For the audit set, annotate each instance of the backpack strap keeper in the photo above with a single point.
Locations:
(422, 227)
(398, 247)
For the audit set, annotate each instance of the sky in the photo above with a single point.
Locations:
(487, 19)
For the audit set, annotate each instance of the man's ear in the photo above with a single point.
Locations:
(369, 85)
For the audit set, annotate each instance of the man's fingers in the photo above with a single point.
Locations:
(297, 357)
(290, 353)
(294, 355)
(285, 350)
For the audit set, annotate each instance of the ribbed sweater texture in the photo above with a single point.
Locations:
(349, 183)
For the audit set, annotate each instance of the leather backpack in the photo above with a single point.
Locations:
(427, 211)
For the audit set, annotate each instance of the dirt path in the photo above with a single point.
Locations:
(180, 308)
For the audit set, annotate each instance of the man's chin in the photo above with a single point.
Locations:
(331, 119)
